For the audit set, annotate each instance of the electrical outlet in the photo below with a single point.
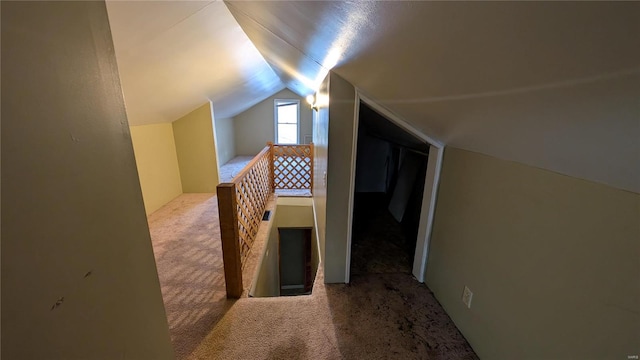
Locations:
(467, 295)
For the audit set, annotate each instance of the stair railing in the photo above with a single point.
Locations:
(241, 202)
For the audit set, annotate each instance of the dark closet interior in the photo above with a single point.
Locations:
(391, 166)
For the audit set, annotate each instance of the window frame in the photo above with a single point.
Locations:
(275, 118)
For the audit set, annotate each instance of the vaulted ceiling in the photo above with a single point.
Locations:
(175, 55)
(554, 85)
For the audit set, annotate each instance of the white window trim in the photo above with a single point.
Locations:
(275, 119)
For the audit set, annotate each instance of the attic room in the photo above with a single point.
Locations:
(118, 118)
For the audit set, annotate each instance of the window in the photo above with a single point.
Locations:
(287, 114)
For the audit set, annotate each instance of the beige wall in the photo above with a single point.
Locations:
(298, 212)
(256, 126)
(552, 261)
(157, 164)
(225, 139)
(195, 147)
(289, 213)
(75, 234)
(320, 147)
(333, 137)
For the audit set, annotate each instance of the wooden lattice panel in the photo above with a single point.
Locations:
(241, 203)
(292, 167)
(253, 186)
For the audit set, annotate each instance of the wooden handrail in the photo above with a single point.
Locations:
(242, 201)
(251, 163)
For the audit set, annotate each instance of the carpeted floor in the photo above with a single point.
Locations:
(186, 242)
(378, 242)
(229, 170)
(378, 316)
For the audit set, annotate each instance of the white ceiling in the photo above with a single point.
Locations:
(554, 85)
(175, 55)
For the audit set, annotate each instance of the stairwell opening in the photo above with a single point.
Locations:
(295, 261)
(289, 263)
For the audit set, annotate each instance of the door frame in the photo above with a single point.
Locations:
(434, 166)
(307, 243)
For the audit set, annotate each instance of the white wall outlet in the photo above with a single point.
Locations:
(467, 295)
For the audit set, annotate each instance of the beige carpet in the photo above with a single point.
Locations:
(186, 242)
(229, 170)
(377, 316)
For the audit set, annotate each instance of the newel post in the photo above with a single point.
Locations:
(228, 210)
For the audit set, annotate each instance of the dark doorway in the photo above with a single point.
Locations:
(390, 176)
(295, 261)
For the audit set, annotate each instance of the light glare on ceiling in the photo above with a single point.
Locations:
(311, 99)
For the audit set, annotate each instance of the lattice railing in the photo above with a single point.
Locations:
(252, 192)
(241, 203)
(292, 166)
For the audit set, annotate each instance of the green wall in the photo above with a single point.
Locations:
(333, 143)
(553, 261)
(195, 147)
(225, 139)
(157, 163)
(255, 126)
(78, 274)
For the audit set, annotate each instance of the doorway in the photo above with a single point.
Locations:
(390, 172)
(295, 261)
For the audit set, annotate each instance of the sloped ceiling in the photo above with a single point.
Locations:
(375, 125)
(554, 85)
(175, 55)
